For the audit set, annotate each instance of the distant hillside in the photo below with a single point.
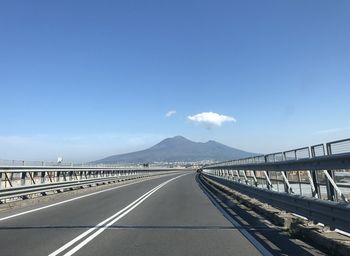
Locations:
(179, 149)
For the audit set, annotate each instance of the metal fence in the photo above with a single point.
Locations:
(21, 181)
(5, 162)
(332, 214)
(321, 171)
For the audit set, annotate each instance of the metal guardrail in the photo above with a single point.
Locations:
(331, 148)
(22, 181)
(36, 189)
(332, 214)
(295, 180)
(6, 162)
(325, 168)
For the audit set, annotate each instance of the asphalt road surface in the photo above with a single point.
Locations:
(170, 215)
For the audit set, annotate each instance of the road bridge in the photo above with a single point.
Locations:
(172, 211)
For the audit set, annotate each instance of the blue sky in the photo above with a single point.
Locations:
(86, 79)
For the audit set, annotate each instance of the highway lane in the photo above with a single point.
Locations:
(143, 219)
(40, 233)
(177, 220)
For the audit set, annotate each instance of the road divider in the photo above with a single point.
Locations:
(92, 233)
(70, 200)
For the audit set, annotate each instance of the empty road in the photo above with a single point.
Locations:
(169, 215)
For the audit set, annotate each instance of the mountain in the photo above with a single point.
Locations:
(179, 149)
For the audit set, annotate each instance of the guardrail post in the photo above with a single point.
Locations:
(8, 180)
(331, 194)
(299, 180)
(76, 175)
(42, 177)
(64, 174)
(238, 176)
(312, 184)
(287, 187)
(226, 174)
(49, 174)
(23, 178)
(267, 176)
(317, 190)
(245, 177)
(231, 174)
(255, 179)
(32, 176)
(268, 181)
(284, 174)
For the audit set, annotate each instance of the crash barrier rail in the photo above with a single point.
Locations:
(313, 182)
(6, 162)
(332, 214)
(321, 171)
(22, 181)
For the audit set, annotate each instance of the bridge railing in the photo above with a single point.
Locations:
(321, 171)
(21, 181)
(6, 162)
(313, 182)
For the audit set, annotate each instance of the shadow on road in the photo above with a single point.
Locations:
(274, 240)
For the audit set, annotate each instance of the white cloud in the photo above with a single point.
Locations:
(211, 119)
(170, 113)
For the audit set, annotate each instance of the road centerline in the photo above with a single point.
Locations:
(102, 226)
(68, 200)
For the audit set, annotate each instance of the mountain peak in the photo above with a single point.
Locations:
(179, 137)
(180, 149)
(177, 140)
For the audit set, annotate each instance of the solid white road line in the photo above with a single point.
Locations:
(67, 245)
(107, 222)
(244, 232)
(66, 201)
